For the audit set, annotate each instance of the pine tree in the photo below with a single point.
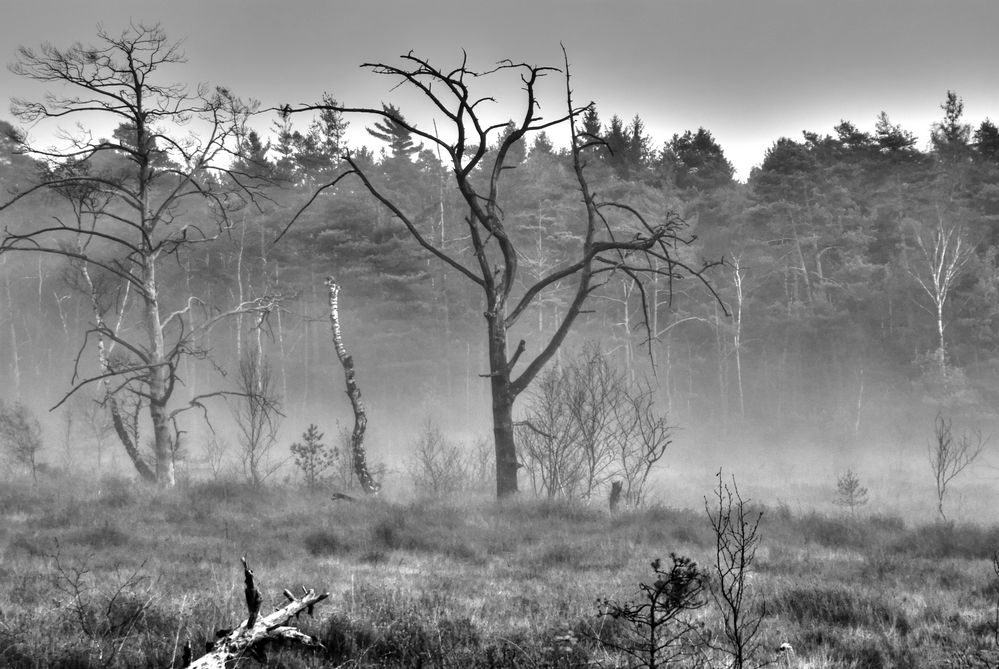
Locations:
(391, 129)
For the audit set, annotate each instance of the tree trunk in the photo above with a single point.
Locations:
(120, 428)
(499, 376)
(15, 365)
(159, 380)
(737, 334)
(368, 484)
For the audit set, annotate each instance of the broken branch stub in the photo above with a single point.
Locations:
(251, 636)
(368, 484)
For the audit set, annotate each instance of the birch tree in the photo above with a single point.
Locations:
(943, 254)
(615, 237)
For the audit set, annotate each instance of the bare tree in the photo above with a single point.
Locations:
(944, 255)
(950, 455)
(21, 435)
(594, 392)
(548, 435)
(258, 415)
(438, 466)
(736, 530)
(131, 193)
(615, 237)
(641, 438)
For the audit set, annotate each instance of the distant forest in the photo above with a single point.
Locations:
(859, 284)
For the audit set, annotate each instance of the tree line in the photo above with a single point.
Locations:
(851, 268)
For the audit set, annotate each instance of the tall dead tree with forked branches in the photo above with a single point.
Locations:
(639, 248)
(131, 199)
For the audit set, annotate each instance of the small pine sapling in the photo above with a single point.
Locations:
(659, 629)
(313, 457)
(849, 493)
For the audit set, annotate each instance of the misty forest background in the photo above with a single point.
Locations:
(839, 249)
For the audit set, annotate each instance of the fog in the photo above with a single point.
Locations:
(845, 309)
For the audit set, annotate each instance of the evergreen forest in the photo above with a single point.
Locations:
(851, 292)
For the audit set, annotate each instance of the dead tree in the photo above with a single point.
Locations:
(949, 456)
(251, 637)
(368, 484)
(641, 248)
(129, 195)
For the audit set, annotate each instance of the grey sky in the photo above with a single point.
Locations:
(748, 70)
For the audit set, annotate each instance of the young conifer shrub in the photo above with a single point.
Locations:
(849, 493)
(313, 457)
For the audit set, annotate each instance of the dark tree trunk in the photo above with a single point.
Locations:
(503, 398)
(506, 449)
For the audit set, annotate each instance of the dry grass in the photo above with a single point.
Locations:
(117, 575)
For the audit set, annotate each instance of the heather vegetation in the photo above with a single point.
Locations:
(107, 574)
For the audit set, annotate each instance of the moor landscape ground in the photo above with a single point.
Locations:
(113, 573)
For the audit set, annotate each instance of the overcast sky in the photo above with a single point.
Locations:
(749, 71)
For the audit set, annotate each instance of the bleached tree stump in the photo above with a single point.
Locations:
(251, 637)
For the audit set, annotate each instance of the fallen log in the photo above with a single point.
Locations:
(252, 636)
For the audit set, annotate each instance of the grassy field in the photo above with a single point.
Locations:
(113, 574)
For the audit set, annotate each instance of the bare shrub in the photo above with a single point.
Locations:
(482, 464)
(342, 476)
(216, 449)
(437, 466)
(642, 435)
(736, 530)
(585, 424)
(547, 436)
(258, 416)
(594, 393)
(21, 436)
(108, 615)
(950, 455)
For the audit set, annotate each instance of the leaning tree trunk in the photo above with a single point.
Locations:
(368, 484)
(251, 636)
